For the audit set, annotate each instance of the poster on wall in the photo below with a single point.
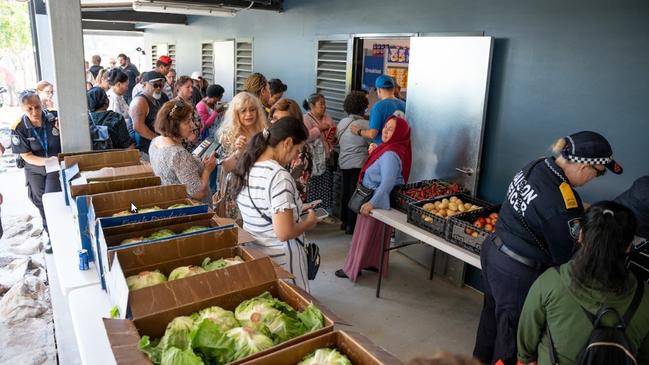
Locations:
(400, 75)
(372, 68)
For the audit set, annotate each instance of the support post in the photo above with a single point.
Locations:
(69, 75)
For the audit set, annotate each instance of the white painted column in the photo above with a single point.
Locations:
(69, 75)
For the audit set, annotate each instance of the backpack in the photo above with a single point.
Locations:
(607, 345)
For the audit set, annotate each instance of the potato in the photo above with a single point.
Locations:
(453, 199)
(438, 204)
(467, 206)
(459, 201)
(428, 219)
(442, 213)
(429, 206)
(452, 206)
(450, 213)
(444, 205)
(445, 201)
(460, 208)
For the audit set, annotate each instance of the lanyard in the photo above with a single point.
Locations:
(42, 140)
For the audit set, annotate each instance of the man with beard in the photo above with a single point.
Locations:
(143, 110)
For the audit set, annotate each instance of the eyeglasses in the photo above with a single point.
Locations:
(598, 171)
(157, 85)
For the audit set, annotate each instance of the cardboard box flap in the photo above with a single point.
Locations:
(112, 173)
(124, 338)
(95, 161)
(150, 300)
(178, 228)
(143, 197)
(114, 185)
(363, 348)
(174, 248)
(61, 156)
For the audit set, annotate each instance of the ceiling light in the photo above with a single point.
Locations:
(177, 8)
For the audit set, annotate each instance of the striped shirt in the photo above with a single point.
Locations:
(272, 189)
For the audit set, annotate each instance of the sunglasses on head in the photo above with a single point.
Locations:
(598, 171)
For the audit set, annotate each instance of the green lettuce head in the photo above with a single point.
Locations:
(149, 210)
(258, 311)
(247, 341)
(176, 206)
(128, 241)
(175, 356)
(312, 318)
(177, 334)
(144, 279)
(285, 327)
(193, 229)
(325, 357)
(185, 272)
(212, 343)
(222, 318)
(162, 234)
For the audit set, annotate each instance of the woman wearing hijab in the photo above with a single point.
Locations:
(387, 165)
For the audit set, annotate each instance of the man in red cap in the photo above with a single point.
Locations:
(163, 66)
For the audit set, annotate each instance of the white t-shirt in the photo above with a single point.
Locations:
(273, 190)
(117, 103)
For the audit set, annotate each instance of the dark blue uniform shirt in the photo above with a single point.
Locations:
(26, 138)
(552, 214)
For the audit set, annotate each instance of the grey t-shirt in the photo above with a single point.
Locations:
(353, 148)
(174, 165)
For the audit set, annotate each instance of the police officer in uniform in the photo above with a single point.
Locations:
(538, 226)
(36, 139)
(636, 198)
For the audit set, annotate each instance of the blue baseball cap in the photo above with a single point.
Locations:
(384, 82)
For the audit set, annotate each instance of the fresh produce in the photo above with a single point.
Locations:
(144, 279)
(193, 229)
(485, 223)
(128, 241)
(447, 208)
(161, 234)
(143, 210)
(210, 265)
(185, 272)
(176, 206)
(325, 357)
(214, 335)
(223, 319)
(431, 190)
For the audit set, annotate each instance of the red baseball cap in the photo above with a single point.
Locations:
(165, 59)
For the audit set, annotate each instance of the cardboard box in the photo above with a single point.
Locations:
(169, 253)
(102, 207)
(101, 166)
(225, 288)
(115, 235)
(80, 196)
(359, 350)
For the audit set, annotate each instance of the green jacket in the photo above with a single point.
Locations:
(553, 302)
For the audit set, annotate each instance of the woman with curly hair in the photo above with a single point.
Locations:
(244, 118)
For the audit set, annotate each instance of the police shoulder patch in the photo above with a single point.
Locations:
(568, 195)
(15, 140)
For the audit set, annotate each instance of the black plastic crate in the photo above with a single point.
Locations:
(433, 223)
(400, 201)
(459, 224)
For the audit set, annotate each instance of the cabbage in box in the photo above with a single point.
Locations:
(236, 289)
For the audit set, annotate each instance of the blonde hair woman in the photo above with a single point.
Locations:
(244, 118)
(102, 79)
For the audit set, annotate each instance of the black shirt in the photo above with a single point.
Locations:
(551, 208)
(26, 138)
(639, 258)
(149, 120)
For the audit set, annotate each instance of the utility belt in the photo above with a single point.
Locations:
(531, 263)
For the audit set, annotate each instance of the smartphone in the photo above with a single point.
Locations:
(311, 205)
(320, 213)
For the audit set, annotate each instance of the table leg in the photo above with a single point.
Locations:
(384, 252)
(432, 265)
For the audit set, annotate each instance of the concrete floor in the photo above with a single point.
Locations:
(413, 317)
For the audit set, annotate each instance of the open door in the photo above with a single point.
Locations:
(448, 82)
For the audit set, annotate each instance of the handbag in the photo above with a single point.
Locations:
(361, 196)
(311, 249)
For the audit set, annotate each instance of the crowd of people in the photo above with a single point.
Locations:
(554, 267)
